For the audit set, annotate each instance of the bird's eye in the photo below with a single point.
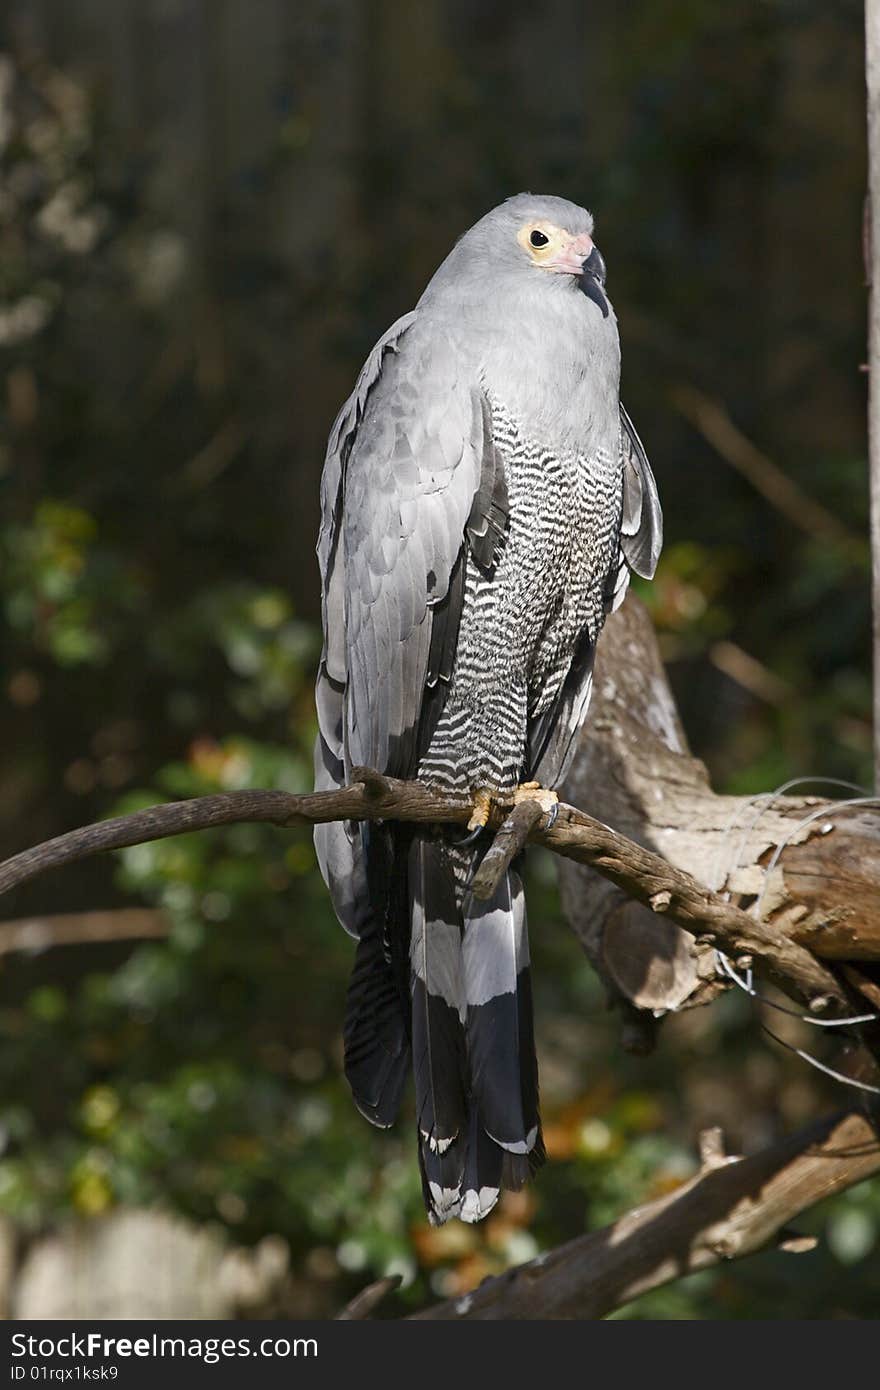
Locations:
(538, 239)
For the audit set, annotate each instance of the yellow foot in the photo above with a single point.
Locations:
(546, 799)
(482, 809)
(528, 791)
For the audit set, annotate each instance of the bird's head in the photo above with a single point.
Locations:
(527, 236)
(561, 251)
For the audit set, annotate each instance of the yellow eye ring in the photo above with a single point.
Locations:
(540, 240)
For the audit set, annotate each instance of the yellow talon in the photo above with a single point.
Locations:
(527, 791)
(482, 808)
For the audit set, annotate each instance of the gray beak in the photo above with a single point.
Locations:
(593, 278)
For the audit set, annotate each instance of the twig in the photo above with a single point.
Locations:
(220, 451)
(363, 1303)
(730, 1209)
(863, 982)
(752, 675)
(508, 843)
(82, 928)
(711, 419)
(711, 1146)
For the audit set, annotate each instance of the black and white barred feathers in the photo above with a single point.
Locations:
(484, 498)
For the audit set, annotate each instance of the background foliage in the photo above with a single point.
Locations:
(208, 212)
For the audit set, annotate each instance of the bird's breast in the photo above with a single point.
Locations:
(559, 380)
(564, 522)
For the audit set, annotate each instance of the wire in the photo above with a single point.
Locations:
(821, 1066)
(746, 986)
(801, 825)
(762, 804)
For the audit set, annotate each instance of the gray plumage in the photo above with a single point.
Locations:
(484, 498)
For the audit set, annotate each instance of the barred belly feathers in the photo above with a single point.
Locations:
(484, 499)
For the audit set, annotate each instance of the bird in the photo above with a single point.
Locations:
(484, 499)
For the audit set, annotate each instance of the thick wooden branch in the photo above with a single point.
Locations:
(646, 878)
(361, 801)
(641, 874)
(808, 867)
(732, 1208)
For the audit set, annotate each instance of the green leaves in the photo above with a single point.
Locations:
(63, 593)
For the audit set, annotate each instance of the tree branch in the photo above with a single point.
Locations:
(364, 1303)
(82, 929)
(712, 420)
(732, 1208)
(368, 800)
(643, 875)
(508, 843)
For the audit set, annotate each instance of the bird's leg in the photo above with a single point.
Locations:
(482, 810)
(483, 800)
(532, 804)
(527, 791)
(546, 799)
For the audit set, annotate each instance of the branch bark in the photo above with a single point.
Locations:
(509, 841)
(732, 1208)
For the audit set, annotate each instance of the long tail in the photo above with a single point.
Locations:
(503, 1067)
(376, 1032)
(472, 1035)
(438, 1035)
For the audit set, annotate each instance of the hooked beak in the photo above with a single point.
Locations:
(581, 258)
(593, 279)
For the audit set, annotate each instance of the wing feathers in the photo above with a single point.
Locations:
(407, 497)
(641, 535)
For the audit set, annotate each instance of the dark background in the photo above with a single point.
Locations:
(208, 213)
